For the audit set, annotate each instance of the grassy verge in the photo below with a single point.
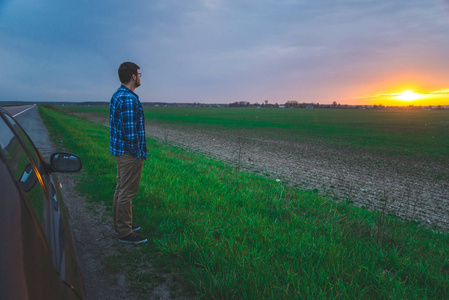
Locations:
(237, 235)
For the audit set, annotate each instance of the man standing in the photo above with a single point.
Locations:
(128, 146)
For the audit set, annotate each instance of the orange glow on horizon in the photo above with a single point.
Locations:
(410, 97)
(402, 88)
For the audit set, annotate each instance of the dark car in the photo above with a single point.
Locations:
(37, 249)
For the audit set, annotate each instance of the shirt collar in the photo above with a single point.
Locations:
(124, 87)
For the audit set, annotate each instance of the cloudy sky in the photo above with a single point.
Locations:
(218, 51)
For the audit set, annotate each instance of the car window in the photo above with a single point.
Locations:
(22, 168)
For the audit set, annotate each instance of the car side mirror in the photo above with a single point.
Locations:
(65, 162)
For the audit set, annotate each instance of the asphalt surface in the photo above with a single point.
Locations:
(16, 111)
(29, 118)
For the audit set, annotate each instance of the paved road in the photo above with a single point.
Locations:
(29, 118)
(16, 111)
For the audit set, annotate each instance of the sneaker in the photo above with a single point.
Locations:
(134, 228)
(133, 238)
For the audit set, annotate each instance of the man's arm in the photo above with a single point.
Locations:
(130, 114)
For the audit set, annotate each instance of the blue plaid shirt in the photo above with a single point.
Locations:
(127, 124)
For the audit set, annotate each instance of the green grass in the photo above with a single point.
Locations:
(239, 235)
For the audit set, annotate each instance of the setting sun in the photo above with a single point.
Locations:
(408, 96)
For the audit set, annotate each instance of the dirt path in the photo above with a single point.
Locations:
(412, 189)
(96, 241)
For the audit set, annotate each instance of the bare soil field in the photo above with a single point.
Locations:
(414, 190)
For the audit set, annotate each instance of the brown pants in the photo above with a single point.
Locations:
(129, 171)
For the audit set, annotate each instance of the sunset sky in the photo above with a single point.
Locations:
(216, 51)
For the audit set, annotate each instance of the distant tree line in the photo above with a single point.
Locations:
(334, 105)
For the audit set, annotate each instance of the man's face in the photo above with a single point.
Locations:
(138, 79)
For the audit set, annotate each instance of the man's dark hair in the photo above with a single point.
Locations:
(126, 71)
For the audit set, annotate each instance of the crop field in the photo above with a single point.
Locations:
(392, 160)
(244, 231)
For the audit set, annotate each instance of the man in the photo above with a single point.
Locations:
(128, 146)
